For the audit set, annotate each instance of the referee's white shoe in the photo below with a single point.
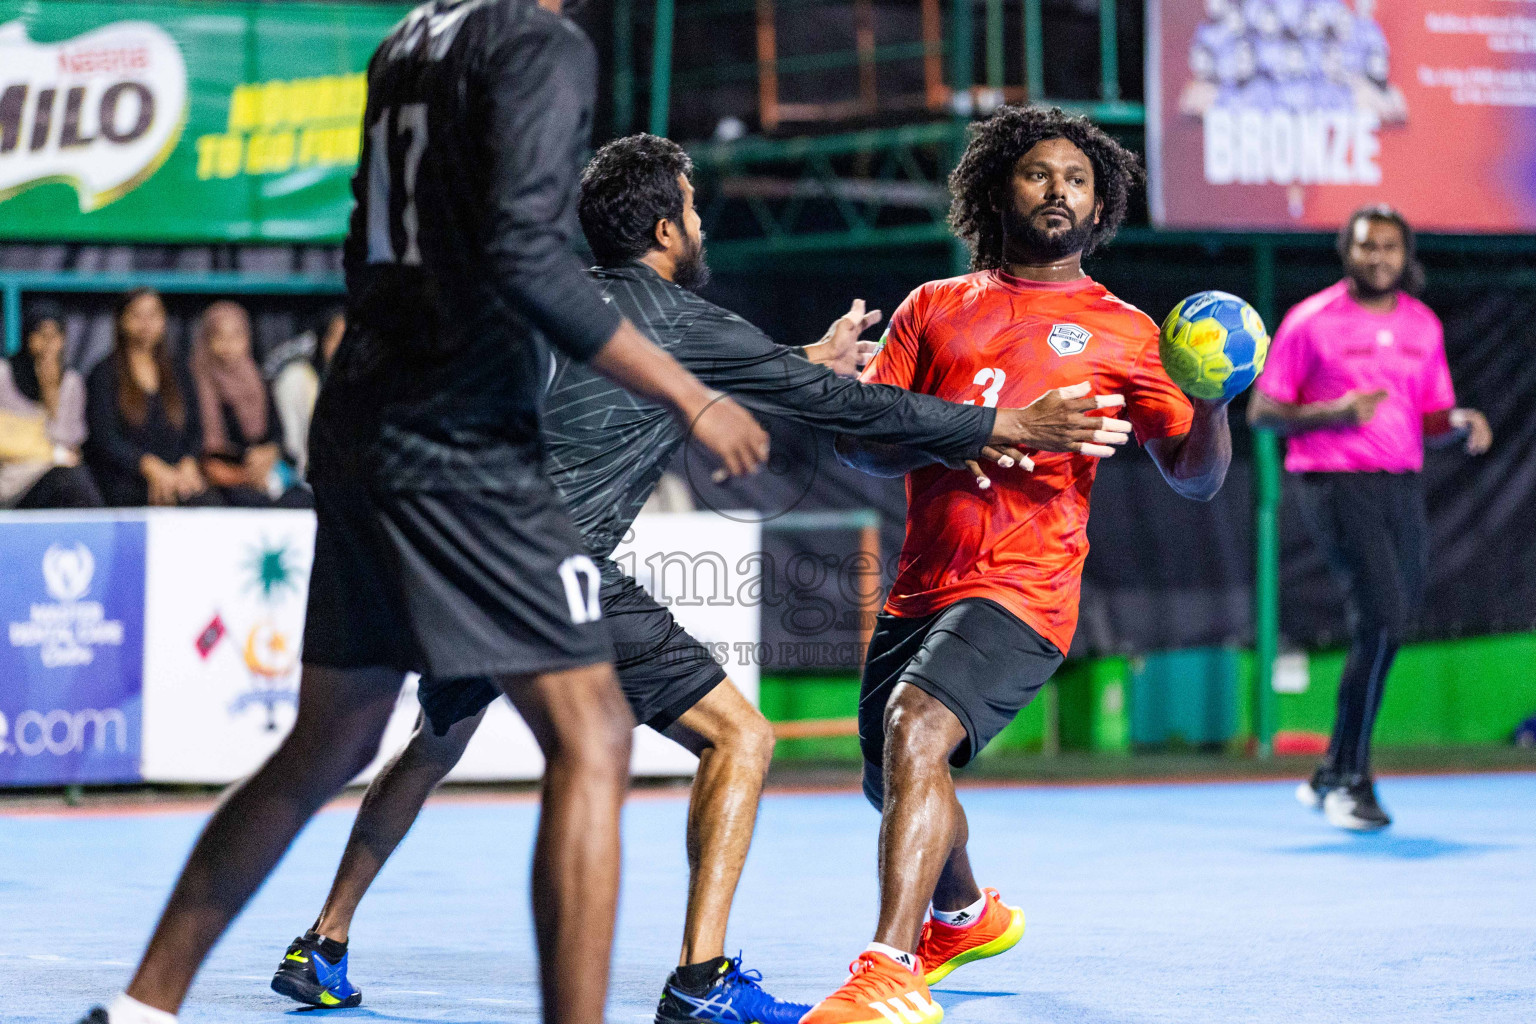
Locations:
(1354, 807)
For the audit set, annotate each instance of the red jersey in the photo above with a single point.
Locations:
(993, 339)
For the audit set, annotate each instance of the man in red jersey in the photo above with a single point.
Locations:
(986, 594)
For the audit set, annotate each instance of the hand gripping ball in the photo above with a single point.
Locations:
(1213, 345)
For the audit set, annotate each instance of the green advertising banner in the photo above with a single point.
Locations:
(182, 122)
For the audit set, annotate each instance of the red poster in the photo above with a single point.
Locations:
(1277, 114)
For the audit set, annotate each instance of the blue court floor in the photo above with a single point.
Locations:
(1168, 903)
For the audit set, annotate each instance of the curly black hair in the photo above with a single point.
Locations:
(1412, 280)
(980, 183)
(630, 185)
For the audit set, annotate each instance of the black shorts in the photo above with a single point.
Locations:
(975, 657)
(453, 584)
(663, 671)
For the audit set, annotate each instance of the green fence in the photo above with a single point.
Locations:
(1457, 693)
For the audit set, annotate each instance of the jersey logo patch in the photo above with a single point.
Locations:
(1068, 339)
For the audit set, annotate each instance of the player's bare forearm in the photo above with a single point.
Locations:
(877, 458)
(1195, 464)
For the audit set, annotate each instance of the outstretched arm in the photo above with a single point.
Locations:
(729, 354)
(1057, 421)
(1195, 463)
(887, 430)
(877, 458)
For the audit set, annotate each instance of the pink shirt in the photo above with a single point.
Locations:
(1330, 345)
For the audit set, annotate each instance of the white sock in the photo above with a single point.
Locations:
(127, 1010)
(901, 956)
(963, 917)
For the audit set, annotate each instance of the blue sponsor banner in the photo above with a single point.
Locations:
(71, 650)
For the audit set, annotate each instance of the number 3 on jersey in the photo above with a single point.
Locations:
(403, 129)
(991, 379)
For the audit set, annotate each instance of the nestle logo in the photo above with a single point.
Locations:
(104, 61)
(100, 111)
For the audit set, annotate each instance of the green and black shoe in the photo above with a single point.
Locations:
(314, 972)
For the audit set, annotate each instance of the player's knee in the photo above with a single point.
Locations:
(362, 755)
(330, 767)
(597, 741)
(750, 740)
(917, 727)
(429, 752)
(332, 757)
(426, 754)
(356, 752)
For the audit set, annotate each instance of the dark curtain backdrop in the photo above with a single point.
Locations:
(1482, 512)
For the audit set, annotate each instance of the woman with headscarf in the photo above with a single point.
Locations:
(145, 432)
(242, 455)
(42, 420)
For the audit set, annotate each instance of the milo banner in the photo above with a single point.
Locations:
(1291, 113)
(187, 122)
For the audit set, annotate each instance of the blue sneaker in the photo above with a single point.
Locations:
(734, 996)
(314, 972)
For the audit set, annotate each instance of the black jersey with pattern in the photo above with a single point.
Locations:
(458, 259)
(605, 449)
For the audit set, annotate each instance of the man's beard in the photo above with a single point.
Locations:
(1366, 289)
(1025, 243)
(692, 271)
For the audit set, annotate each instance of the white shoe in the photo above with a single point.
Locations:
(1309, 797)
(1355, 809)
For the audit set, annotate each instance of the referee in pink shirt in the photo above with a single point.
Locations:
(1356, 380)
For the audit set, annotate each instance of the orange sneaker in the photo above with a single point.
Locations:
(946, 947)
(878, 991)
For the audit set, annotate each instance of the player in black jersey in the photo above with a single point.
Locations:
(442, 546)
(605, 449)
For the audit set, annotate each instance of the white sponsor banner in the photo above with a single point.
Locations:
(225, 611)
(223, 620)
(101, 111)
(707, 570)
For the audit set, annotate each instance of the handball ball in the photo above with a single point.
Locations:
(1213, 345)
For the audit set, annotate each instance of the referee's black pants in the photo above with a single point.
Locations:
(1373, 529)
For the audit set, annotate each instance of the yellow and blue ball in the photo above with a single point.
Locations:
(1213, 345)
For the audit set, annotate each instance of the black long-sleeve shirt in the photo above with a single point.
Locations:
(114, 447)
(605, 449)
(458, 259)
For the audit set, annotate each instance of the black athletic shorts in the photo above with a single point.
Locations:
(454, 584)
(975, 657)
(663, 671)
